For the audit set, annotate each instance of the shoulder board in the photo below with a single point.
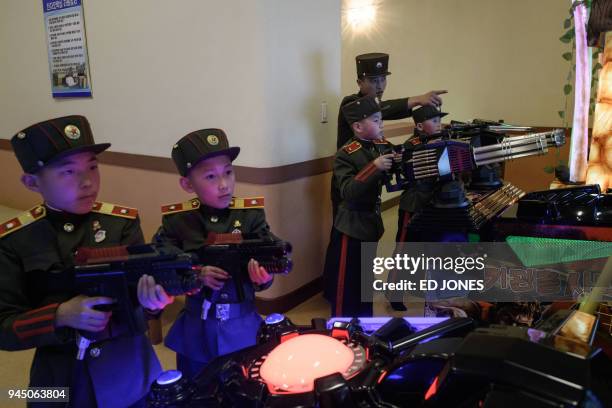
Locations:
(246, 203)
(352, 147)
(23, 219)
(414, 140)
(116, 210)
(380, 142)
(192, 204)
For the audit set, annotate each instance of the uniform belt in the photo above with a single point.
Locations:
(234, 310)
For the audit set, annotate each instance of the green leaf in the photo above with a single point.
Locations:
(549, 169)
(567, 37)
(567, 89)
(561, 114)
(567, 23)
(567, 56)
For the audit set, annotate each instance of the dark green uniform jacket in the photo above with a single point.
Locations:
(34, 248)
(359, 184)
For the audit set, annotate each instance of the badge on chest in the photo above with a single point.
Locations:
(99, 233)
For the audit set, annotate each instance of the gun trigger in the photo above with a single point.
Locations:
(205, 308)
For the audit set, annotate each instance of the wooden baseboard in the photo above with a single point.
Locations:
(286, 302)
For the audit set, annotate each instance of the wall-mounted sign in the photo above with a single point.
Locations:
(67, 48)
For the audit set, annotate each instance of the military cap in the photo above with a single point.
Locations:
(372, 64)
(48, 141)
(200, 145)
(360, 109)
(427, 112)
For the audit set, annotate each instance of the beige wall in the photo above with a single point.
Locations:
(499, 59)
(160, 69)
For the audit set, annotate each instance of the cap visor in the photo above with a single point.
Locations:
(231, 152)
(95, 149)
(375, 75)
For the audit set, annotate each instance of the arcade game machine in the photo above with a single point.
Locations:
(411, 362)
(462, 164)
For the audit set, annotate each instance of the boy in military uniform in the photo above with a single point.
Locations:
(372, 71)
(358, 176)
(58, 158)
(427, 123)
(205, 330)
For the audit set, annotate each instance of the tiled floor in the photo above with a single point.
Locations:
(14, 366)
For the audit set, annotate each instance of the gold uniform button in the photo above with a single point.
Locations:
(214, 218)
(68, 227)
(94, 352)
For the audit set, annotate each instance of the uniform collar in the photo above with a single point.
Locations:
(208, 211)
(364, 142)
(58, 217)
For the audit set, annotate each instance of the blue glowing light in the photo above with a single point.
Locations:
(275, 318)
(169, 377)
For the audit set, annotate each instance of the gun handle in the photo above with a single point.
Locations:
(391, 187)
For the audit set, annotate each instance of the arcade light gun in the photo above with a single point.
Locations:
(114, 272)
(443, 159)
(232, 253)
(464, 130)
(476, 129)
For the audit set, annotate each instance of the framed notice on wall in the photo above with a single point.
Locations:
(67, 48)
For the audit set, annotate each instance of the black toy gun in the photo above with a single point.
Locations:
(114, 272)
(232, 252)
(463, 130)
(443, 159)
(477, 132)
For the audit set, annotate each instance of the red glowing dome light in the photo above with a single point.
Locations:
(293, 365)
